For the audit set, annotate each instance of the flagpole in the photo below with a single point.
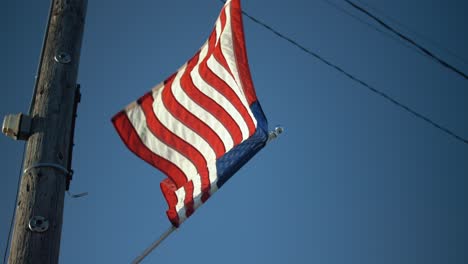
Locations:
(154, 245)
(272, 135)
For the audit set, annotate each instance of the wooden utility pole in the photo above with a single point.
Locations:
(39, 212)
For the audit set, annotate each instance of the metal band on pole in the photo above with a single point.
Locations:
(48, 165)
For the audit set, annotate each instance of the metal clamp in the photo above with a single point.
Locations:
(272, 135)
(49, 165)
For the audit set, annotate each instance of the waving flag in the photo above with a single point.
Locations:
(203, 123)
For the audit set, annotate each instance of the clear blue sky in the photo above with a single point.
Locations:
(353, 179)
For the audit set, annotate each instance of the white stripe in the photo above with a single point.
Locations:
(214, 184)
(180, 208)
(203, 52)
(138, 120)
(227, 48)
(212, 93)
(216, 96)
(218, 29)
(199, 112)
(178, 128)
(221, 72)
(181, 130)
(224, 75)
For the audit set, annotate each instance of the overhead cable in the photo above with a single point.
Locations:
(352, 77)
(409, 40)
(414, 32)
(373, 26)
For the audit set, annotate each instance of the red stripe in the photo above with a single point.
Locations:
(240, 51)
(168, 189)
(219, 56)
(225, 89)
(131, 139)
(207, 103)
(217, 50)
(191, 121)
(188, 201)
(175, 142)
(205, 196)
(222, 18)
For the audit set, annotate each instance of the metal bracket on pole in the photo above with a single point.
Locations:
(17, 126)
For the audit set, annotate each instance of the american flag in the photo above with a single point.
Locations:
(203, 123)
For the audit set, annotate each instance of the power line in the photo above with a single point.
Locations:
(352, 77)
(414, 32)
(374, 27)
(409, 40)
(393, 36)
